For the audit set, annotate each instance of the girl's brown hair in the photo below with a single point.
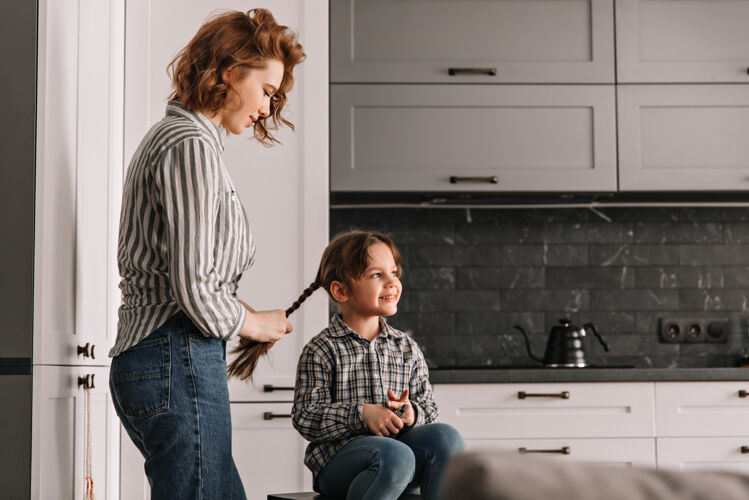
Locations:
(235, 40)
(345, 259)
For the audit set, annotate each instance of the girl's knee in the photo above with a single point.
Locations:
(396, 461)
(447, 439)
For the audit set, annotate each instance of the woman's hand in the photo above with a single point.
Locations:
(380, 420)
(409, 416)
(264, 326)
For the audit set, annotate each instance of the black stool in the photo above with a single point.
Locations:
(311, 495)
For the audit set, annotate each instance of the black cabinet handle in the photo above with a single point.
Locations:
(483, 71)
(269, 415)
(491, 179)
(86, 350)
(745, 450)
(560, 395)
(271, 388)
(87, 381)
(743, 393)
(565, 450)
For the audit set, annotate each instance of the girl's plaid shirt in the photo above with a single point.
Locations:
(339, 371)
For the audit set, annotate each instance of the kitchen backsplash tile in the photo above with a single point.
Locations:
(468, 280)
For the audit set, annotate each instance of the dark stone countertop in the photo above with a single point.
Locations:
(547, 375)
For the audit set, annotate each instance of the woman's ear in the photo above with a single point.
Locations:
(338, 291)
(229, 73)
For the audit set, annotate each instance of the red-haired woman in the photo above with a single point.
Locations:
(184, 243)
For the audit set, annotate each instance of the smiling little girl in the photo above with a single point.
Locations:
(362, 395)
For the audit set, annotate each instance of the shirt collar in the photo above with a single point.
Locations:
(175, 108)
(339, 328)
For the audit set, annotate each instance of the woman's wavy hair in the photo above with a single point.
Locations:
(235, 40)
(345, 259)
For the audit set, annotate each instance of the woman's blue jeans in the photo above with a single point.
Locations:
(382, 468)
(171, 394)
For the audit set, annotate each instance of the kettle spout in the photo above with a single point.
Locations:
(528, 344)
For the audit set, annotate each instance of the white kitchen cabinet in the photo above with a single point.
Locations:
(490, 411)
(702, 408)
(78, 179)
(702, 425)
(701, 453)
(608, 423)
(268, 451)
(682, 41)
(508, 41)
(483, 137)
(683, 137)
(58, 437)
(626, 452)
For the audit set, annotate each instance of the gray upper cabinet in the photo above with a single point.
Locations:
(472, 41)
(482, 137)
(682, 41)
(683, 137)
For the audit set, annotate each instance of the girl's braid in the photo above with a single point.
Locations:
(306, 293)
(249, 352)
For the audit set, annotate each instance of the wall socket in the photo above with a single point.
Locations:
(688, 329)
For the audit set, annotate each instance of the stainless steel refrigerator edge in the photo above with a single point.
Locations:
(18, 55)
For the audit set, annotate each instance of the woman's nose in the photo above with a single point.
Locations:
(264, 110)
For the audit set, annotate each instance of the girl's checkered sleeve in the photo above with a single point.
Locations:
(420, 389)
(314, 413)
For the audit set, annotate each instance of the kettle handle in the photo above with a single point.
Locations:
(589, 326)
(528, 344)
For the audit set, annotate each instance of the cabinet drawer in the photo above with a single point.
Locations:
(269, 453)
(543, 41)
(487, 411)
(703, 453)
(701, 409)
(682, 40)
(628, 452)
(686, 137)
(416, 137)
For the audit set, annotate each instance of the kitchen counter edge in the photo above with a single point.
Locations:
(547, 375)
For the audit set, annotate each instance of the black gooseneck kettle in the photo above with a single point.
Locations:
(564, 348)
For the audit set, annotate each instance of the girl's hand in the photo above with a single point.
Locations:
(409, 416)
(380, 420)
(265, 326)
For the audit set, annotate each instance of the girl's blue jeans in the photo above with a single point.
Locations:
(171, 394)
(382, 468)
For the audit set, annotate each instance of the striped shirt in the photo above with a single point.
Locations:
(184, 238)
(339, 371)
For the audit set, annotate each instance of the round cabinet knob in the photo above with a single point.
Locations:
(87, 351)
(87, 381)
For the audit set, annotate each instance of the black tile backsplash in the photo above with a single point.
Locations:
(468, 278)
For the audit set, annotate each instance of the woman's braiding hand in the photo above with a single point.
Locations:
(265, 326)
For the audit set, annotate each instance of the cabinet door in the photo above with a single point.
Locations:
(78, 178)
(526, 138)
(58, 438)
(701, 408)
(639, 452)
(546, 41)
(682, 41)
(685, 137)
(494, 411)
(704, 453)
(268, 451)
(284, 189)
(133, 480)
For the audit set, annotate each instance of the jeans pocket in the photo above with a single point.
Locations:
(140, 378)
